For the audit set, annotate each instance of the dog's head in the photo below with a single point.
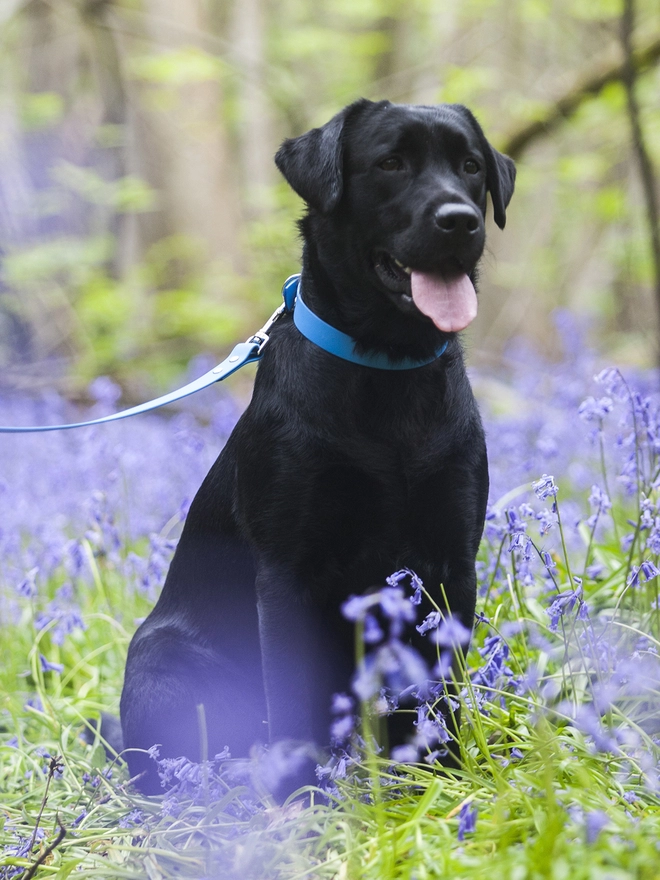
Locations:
(398, 193)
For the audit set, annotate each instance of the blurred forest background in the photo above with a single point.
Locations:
(142, 221)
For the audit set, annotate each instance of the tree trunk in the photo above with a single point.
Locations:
(182, 142)
(255, 130)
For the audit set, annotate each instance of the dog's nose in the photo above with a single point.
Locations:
(457, 218)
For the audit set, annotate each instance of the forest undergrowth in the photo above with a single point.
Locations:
(559, 690)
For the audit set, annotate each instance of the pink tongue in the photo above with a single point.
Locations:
(451, 305)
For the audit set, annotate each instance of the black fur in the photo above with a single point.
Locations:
(336, 475)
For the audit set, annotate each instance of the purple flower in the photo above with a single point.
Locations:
(104, 391)
(648, 569)
(451, 633)
(280, 760)
(342, 704)
(595, 570)
(594, 823)
(521, 543)
(61, 616)
(393, 664)
(599, 500)
(170, 806)
(79, 818)
(406, 754)
(372, 631)
(430, 622)
(563, 604)
(415, 583)
(467, 820)
(342, 728)
(393, 604)
(547, 520)
(545, 487)
(595, 410)
(549, 562)
(613, 382)
(28, 586)
(135, 817)
(356, 607)
(47, 666)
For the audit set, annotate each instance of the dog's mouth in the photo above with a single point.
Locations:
(446, 296)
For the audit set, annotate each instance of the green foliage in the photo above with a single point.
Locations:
(101, 143)
(128, 194)
(177, 67)
(40, 109)
(555, 796)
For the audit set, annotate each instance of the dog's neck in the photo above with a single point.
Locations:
(340, 344)
(370, 319)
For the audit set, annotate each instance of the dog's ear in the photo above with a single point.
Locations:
(500, 180)
(500, 171)
(312, 164)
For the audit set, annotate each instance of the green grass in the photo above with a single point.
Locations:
(561, 789)
(531, 811)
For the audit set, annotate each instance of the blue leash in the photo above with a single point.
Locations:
(250, 352)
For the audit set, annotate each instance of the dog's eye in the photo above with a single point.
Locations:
(392, 163)
(471, 166)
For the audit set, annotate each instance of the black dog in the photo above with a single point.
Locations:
(337, 474)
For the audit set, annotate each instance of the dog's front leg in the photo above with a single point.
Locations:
(297, 668)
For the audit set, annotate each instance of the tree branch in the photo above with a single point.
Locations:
(587, 86)
(31, 871)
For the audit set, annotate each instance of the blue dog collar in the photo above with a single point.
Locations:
(341, 344)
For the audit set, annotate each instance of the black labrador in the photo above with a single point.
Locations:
(337, 474)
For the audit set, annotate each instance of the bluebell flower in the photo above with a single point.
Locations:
(28, 586)
(599, 499)
(467, 820)
(564, 603)
(595, 410)
(547, 520)
(342, 728)
(415, 583)
(104, 391)
(431, 621)
(342, 704)
(79, 818)
(494, 673)
(545, 487)
(170, 806)
(647, 568)
(595, 570)
(405, 754)
(372, 631)
(135, 817)
(282, 759)
(356, 607)
(613, 382)
(515, 524)
(451, 633)
(549, 562)
(522, 543)
(47, 666)
(62, 615)
(594, 823)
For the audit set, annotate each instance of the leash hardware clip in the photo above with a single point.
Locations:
(261, 337)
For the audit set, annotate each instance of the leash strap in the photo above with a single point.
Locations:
(244, 353)
(310, 325)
